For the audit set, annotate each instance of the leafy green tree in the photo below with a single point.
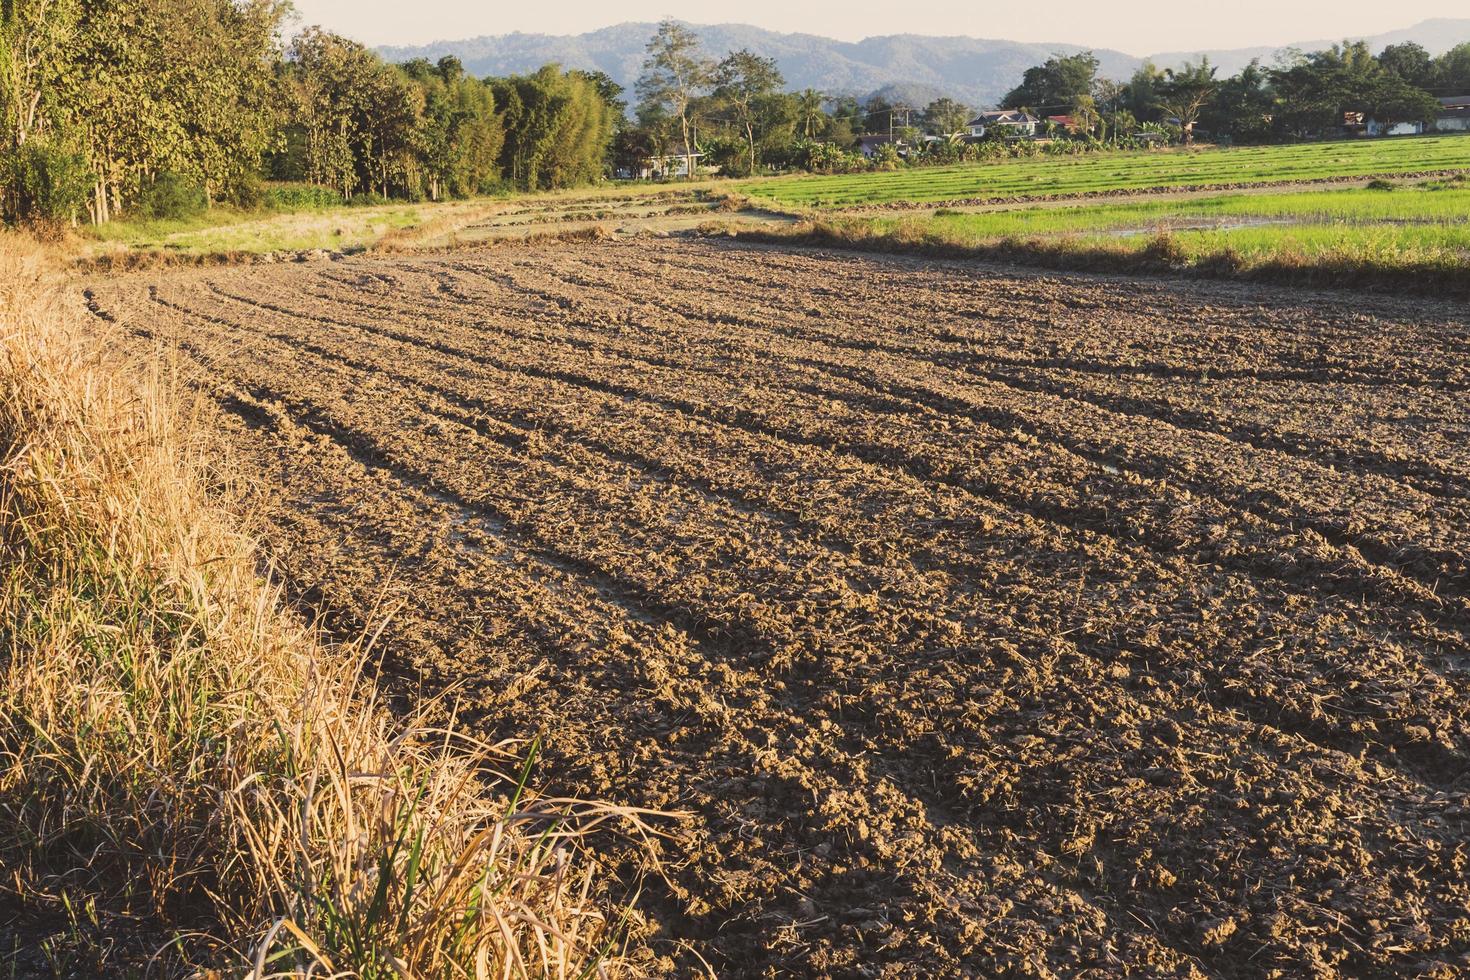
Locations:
(1243, 106)
(1452, 71)
(945, 116)
(558, 129)
(1054, 86)
(1391, 100)
(1140, 95)
(744, 83)
(675, 74)
(328, 76)
(1409, 63)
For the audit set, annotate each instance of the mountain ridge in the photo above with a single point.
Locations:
(977, 71)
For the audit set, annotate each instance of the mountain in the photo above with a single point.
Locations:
(977, 72)
(974, 70)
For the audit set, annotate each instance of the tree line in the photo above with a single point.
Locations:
(160, 108)
(1303, 94)
(746, 121)
(153, 108)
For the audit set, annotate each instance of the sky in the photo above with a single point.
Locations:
(1137, 27)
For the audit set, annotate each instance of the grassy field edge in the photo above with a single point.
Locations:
(184, 764)
(1161, 254)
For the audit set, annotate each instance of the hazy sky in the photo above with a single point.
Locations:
(1135, 26)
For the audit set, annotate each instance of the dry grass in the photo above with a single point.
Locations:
(182, 758)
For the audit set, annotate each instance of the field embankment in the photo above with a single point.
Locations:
(1102, 174)
(991, 623)
(189, 777)
(1409, 238)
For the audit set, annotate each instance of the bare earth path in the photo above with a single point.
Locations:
(988, 623)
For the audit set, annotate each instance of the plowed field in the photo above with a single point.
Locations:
(986, 622)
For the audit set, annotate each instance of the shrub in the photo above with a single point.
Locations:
(49, 182)
(173, 197)
(301, 197)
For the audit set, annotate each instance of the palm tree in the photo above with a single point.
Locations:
(809, 111)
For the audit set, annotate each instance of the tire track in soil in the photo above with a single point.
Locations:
(472, 422)
(629, 597)
(1383, 571)
(1420, 478)
(1075, 894)
(1305, 726)
(1379, 551)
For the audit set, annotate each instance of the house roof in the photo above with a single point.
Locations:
(995, 117)
(1455, 101)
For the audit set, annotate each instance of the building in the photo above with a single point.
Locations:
(1454, 114)
(671, 165)
(1002, 122)
(868, 145)
(1375, 128)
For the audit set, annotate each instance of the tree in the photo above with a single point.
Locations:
(1452, 71)
(1054, 86)
(1184, 93)
(1243, 106)
(460, 137)
(1392, 100)
(945, 116)
(1084, 112)
(558, 129)
(1409, 63)
(674, 75)
(1140, 95)
(810, 118)
(742, 82)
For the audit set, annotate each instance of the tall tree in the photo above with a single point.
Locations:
(810, 117)
(1053, 87)
(1244, 105)
(742, 82)
(1452, 71)
(675, 73)
(945, 116)
(1184, 93)
(1408, 62)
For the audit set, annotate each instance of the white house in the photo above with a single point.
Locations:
(1454, 114)
(1376, 128)
(1003, 122)
(671, 165)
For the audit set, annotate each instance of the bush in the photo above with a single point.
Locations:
(49, 182)
(173, 197)
(248, 194)
(301, 197)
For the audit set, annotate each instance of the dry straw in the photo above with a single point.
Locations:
(180, 753)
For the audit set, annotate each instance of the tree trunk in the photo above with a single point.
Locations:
(688, 150)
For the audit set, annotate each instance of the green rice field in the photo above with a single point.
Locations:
(1414, 209)
(1107, 172)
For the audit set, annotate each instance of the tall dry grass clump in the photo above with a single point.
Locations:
(181, 754)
